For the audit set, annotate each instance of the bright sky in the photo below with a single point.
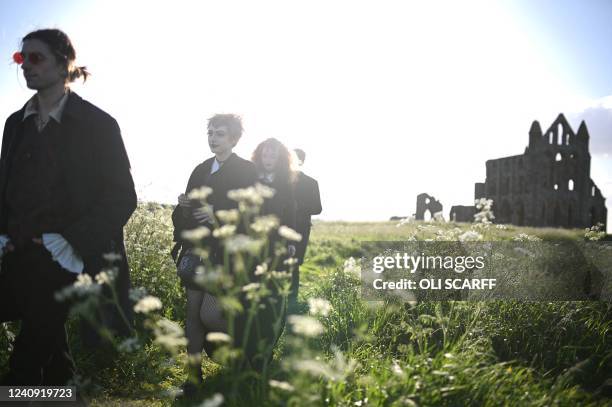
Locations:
(388, 99)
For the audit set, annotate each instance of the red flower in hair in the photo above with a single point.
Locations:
(18, 57)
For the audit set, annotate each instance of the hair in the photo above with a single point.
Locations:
(301, 155)
(232, 121)
(61, 47)
(284, 166)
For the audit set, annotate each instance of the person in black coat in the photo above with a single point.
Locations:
(224, 172)
(273, 162)
(65, 194)
(308, 203)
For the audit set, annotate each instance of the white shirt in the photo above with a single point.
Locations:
(55, 113)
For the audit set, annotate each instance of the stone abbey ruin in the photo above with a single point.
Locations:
(549, 185)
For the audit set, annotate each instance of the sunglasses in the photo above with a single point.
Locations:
(34, 58)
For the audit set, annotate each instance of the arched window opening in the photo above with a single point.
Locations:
(556, 187)
(570, 185)
(560, 134)
(558, 157)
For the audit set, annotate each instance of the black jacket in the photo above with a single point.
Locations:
(101, 196)
(235, 173)
(308, 203)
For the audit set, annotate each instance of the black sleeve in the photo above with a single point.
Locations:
(315, 207)
(179, 220)
(307, 196)
(4, 168)
(116, 198)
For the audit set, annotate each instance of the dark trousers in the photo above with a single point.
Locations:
(28, 280)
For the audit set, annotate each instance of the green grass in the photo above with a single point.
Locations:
(390, 353)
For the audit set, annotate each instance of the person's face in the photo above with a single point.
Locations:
(269, 158)
(219, 140)
(41, 69)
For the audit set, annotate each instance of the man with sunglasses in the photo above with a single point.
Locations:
(65, 194)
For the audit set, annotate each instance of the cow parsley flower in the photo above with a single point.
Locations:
(148, 304)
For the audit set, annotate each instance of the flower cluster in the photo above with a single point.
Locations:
(319, 306)
(595, 232)
(485, 214)
(147, 304)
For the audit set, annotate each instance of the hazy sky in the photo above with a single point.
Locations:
(389, 99)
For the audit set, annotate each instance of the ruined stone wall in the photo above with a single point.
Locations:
(549, 185)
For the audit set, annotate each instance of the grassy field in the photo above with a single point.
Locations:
(384, 353)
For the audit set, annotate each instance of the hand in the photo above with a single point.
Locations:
(184, 201)
(291, 249)
(202, 215)
(9, 248)
(37, 240)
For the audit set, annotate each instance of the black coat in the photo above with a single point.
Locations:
(101, 196)
(308, 202)
(282, 204)
(235, 173)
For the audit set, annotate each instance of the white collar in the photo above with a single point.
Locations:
(55, 113)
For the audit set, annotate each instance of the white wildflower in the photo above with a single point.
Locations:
(304, 325)
(215, 401)
(224, 231)
(104, 277)
(595, 232)
(148, 304)
(251, 287)
(169, 334)
(261, 269)
(524, 237)
(242, 243)
(83, 281)
(264, 191)
(397, 369)
(352, 267)
(264, 224)
(403, 221)
(281, 385)
(485, 215)
(470, 236)
(289, 233)
(280, 274)
(319, 306)
(196, 234)
(200, 193)
(218, 337)
(290, 261)
(247, 195)
(228, 216)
